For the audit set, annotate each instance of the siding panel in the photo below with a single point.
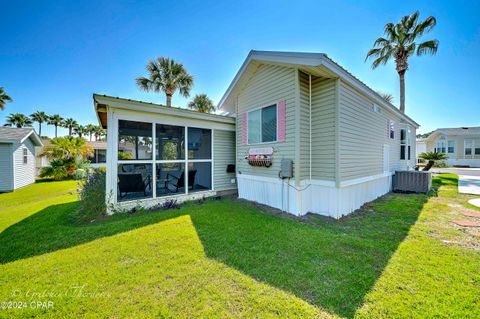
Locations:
(363, 133)
(24, 173)
(224, 154)
(268, 85)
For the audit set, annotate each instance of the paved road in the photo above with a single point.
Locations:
(469, 184)
(458, 171)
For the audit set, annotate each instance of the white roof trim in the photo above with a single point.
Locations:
(311, 59)
(120, 103)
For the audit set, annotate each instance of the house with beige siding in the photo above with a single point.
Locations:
(343, 141)
(17, 157)
(460, 144)
(302, 135)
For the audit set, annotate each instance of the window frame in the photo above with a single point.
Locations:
(453, 147)
(392, 130)
(25, 155)
(471, 147)
(261, 124)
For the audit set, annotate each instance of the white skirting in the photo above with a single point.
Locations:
(316, 196)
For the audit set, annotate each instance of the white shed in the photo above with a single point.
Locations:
(17, 157)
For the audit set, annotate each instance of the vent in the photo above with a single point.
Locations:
(465, 128)
(376, 108)
(412, 181)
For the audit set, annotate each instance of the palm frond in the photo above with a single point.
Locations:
(427, 47)
(425, 26)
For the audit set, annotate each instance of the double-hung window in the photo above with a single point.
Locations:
(25, 156)
(468, 147)
(262, 125)
(451, 147)
(391, 129)
(403, 143)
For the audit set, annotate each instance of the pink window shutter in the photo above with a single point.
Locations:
(244, 128)
(394, 129)
(281, 121)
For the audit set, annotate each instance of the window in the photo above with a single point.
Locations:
(134, 181)
(451, 147)
(262, 125)
(134, 140)
(477, 150)
(403, 143)
(440, 147)
(468, 147)
(392, 129)
(25, 156)
(99, 156)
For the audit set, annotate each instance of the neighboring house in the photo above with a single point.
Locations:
(157, 153)
(461, 144)
(17, 157)
(98, 159)
(340, 140)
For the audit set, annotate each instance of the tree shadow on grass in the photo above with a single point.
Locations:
(330, 264)
(55, 228)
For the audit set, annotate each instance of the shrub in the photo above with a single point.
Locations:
(79, 174)
(92, 196)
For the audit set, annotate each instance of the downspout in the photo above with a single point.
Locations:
(310, 123)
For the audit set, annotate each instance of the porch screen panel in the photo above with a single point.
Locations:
(170, 142)
(134, 140)
(199, 143)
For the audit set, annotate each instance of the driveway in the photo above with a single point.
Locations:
(468, 179)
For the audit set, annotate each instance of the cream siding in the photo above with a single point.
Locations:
(6, 167)
(323, 129)
(223, 155)
(24, 173)
(268, 85)
(362, 134)
(304, 165)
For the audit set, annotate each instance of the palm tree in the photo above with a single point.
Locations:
(432, 157)
(67, 148)
(202, 103)
(90, 130)
(400, 43)
(4, 98)
(70, 124)
(79, 130)
(387, 97)
(55, 120)
(39, 117)
(18, 120)
(99, 132)
(166, 75)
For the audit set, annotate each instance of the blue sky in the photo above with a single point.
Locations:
(55, 54)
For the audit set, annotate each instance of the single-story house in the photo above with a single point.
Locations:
(98, 159)
(17, 157)
(303, 135)
(460, 144)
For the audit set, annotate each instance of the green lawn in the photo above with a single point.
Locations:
(401, 258)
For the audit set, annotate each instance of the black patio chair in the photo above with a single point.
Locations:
(132, 183)
(179, 182)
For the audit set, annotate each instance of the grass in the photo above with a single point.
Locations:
(400, 258)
